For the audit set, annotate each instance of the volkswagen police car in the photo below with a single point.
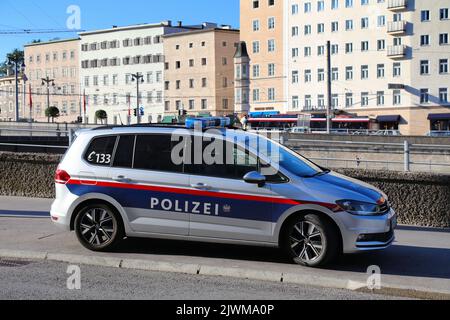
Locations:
(215, 185)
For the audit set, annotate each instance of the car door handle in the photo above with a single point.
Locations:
(201, 186)
(121, 179)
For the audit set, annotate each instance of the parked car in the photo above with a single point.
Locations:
(146, 182)
(439, 134)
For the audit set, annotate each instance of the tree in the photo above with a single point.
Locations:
(52, 112)
(16, 55)
(101, 115)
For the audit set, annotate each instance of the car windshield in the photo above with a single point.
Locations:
(283, 157)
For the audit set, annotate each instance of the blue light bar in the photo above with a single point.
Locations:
(210, 122)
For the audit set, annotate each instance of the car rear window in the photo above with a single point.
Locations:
(100, 151)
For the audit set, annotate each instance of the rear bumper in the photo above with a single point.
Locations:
(367, 233)
(61, 210)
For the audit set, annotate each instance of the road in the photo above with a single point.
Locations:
(419, 259)
(48, 280)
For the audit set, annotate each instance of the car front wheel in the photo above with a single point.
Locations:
(311, 241)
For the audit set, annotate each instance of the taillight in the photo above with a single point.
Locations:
(61, 177)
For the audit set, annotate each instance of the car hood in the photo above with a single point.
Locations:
(340, 187)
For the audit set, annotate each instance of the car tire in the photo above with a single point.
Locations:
(311, 241)
(98, 227)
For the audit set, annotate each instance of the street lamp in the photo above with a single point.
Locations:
(19, 66)
(139, 78)
(46, 82)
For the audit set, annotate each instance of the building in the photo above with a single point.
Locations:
(58, 63)
(8, 99)
(199, 71)
(263, 30)
(389, 59)
(110, 58)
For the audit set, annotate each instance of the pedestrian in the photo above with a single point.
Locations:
(244, 122)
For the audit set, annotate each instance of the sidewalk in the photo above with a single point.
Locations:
(25, 207)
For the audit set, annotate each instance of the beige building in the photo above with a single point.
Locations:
(199, 71)
(389, 59)
(263, 30)
(8, 99)
(59, 62)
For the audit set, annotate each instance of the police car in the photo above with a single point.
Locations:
(215, 185)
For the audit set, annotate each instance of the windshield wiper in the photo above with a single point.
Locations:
(318, 174)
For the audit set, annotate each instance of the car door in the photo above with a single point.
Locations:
(227, 206)
(150, 184)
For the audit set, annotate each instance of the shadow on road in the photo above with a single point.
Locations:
(397, 260)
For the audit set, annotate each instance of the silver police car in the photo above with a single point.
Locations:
(218, 185)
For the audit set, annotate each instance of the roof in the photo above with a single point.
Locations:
(51, 42)
(241, 50)
(203, 30)
(164, 24)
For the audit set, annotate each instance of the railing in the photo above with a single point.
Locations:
(397, 4)
(396, 26)
(406, 148)
(396, 51)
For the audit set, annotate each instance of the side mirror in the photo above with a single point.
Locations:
(255, 178)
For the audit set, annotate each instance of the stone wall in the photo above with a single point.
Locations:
(420, 199)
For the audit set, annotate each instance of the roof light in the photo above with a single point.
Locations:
(206, 123)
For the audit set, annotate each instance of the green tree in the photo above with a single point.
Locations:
(101, 115)
(52, 112)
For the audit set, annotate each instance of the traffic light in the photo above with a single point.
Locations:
(136, 112)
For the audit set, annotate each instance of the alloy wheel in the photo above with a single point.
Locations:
(306, 241)
(97, 226)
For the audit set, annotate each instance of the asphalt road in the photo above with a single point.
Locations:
(418, 260)
(48, 280)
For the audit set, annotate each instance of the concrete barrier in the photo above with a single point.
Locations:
(421, 199)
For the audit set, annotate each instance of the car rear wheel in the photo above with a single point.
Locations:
(310, 241)
(98, 227)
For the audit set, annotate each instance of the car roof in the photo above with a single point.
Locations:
(161, 129)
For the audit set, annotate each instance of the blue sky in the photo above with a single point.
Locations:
(98, 14)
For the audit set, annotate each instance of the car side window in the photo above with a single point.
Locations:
(230, 161)
(154, 152)
(100, 151)
(123, 157)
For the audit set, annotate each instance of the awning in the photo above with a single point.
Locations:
(351, 120)
(169, 119)
(439, 116)
(395, 118)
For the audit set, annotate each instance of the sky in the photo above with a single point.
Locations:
(100, 14)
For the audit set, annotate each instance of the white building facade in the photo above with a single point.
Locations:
(108, 60)
(389, 60)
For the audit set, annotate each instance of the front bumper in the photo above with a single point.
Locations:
(367, 233)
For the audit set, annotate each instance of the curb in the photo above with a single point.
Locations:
(239, 273)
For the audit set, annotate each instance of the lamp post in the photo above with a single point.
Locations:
(19, 66)
(46, 82)
(139, 78)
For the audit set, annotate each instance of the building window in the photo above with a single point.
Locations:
(348, 3)
(308, 51)
(364, 99)
(271, 69)
(308, 29)
(204, 104)
(443, 39)
(334, 4)
(443, 66)
(424, 67)
(295, 9)
(256, 70)
(308, 7)
(443, 14)
(364, 23)
(255, 25)
(397, 98)
(295, 31)
(424, 96)
(380, 71)
(365, 46)
(271, 23)
(397, 70)
(321, 50)
(271, 94)
(295, 102)
(320, 28)
(255, 94)
(348, 47)
(381, 45)
(380, 98)
(425, 15)
(255, 46)
(364, 72)
(349, 25)
(320, 75)
(425, 40)
(334, 74)
(349, 73)
(443, 95)
(255, 4)
(294, 76)
(308, 102)
(308, 76)
(348, 100)
(334, 26)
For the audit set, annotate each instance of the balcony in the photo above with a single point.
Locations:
(396, 52)
(397, 5)
(396, 27)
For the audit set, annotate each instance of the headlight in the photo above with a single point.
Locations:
(360, 208)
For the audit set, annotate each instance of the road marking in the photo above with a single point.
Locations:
(24, 214)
